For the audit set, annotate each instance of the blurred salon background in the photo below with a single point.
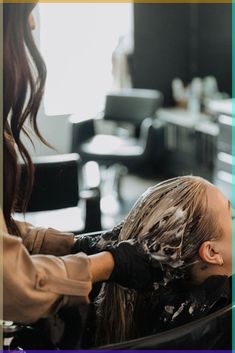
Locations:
(135, 94)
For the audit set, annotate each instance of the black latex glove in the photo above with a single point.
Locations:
(86, 244)
(133, 268)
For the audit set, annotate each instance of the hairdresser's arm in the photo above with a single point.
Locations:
(46, 241)
(38, 285)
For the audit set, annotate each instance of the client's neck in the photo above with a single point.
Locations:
(203, 270)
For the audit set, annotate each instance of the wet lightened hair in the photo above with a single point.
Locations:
(171, 220)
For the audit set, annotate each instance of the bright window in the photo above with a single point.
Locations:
(77, 42)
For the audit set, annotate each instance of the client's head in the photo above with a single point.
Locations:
(185, 224)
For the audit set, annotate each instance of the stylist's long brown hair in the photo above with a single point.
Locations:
(24, 75)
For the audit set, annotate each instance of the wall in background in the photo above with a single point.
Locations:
(171, 40)
(57, 132)
(55, 129)
(215, 43)
(181, 40)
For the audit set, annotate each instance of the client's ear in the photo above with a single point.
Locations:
(209, 253)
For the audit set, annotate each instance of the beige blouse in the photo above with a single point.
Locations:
(36, 285)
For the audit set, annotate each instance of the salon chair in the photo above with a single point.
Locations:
(135, 107)
(213, 332)
(56, 200)
(130, 106)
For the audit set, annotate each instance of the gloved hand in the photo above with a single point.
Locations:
(133, 268)
(86, 244)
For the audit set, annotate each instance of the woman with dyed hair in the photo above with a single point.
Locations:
(185, 225)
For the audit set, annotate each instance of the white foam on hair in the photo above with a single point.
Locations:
(167, 253)
(158, 220)
(181, 308)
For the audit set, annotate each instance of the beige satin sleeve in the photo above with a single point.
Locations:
(37, 285)
(45, 240)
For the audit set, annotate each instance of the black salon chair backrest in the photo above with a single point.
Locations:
(56, 182)
(132, 105)
(54, 202)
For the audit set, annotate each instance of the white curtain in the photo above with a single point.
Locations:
(77, 42)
